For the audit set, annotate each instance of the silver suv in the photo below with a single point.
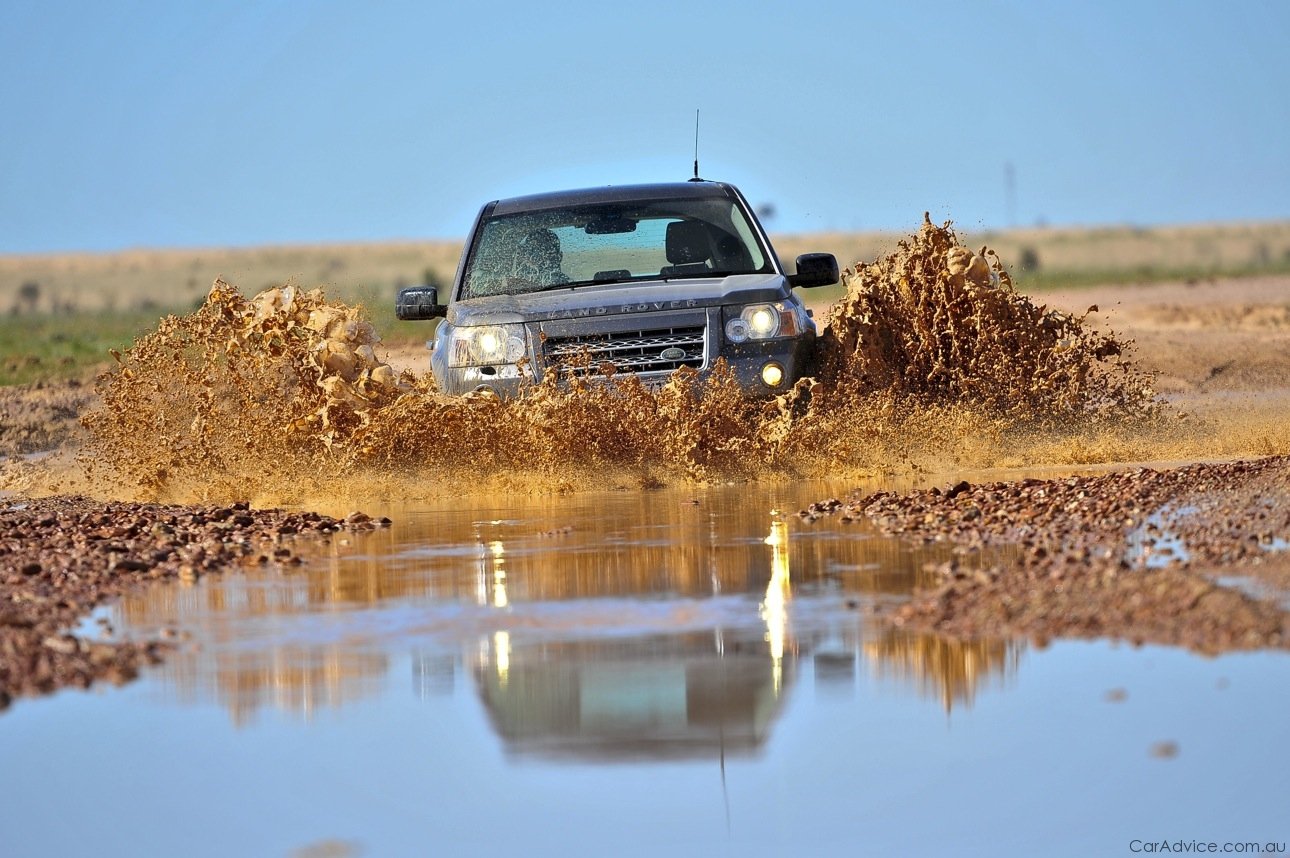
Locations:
(643, 279)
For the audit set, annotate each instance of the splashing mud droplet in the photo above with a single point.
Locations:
(931, 354)
(941, 324)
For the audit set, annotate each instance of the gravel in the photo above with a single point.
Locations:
(1149, 556)
(61, 557)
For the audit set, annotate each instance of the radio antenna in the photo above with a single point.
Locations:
(696, 147)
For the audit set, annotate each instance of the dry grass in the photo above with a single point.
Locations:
(1056, 258)
(179, 279)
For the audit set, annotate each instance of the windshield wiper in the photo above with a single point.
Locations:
(698, 275)
(578, 284)
(607, 281)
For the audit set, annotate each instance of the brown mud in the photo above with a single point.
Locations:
(43, 416)
(1144, 555)
(932, 358)
(61, 557)
(931, 362)
(1227, 337)
(939, 323)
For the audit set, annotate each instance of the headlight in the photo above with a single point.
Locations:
(486, 345)
(763, 322)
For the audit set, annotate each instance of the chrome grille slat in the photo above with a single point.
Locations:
(616, 344)
(628, 351)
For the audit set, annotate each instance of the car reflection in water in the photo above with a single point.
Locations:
(659, 698)
(696, 694)
(598, 646)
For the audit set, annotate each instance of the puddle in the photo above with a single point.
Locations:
(629, 673)
(97, 625)
(1154, 544)
(1255, 589)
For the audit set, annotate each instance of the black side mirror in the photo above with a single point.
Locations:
(815, 269)
(419, 302)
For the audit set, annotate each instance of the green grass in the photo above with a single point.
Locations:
(43, 347)
(1051, 281)
(378, 306)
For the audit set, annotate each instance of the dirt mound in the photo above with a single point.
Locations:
(1236, 317)
(63, 556)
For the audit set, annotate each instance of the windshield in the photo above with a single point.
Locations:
(612, 243)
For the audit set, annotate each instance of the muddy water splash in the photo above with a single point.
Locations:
(265, 386)
(942, 324)
(930, 358)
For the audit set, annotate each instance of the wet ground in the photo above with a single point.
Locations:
(690, 670)
(1175, 556)
(61, 557)
(42, 416)
(629, 672)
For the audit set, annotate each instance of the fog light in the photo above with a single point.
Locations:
(772, 374)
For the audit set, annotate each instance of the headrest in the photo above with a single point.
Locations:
(542, 244)
(688, 241)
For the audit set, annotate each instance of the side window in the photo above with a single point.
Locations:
(493, 261)
(749, 240)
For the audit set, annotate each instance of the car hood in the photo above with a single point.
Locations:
(619, 299)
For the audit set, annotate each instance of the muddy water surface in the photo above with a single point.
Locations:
(625, 673)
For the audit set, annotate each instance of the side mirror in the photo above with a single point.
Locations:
(815, 269)
(419, 302)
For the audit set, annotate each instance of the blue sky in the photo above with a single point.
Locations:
(152, 124)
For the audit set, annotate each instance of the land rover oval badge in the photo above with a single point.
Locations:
(672, 353)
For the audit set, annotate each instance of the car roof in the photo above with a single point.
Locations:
(613, 194)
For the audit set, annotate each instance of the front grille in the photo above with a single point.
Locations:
(627, 351)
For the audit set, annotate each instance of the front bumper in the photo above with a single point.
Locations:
(794, 356)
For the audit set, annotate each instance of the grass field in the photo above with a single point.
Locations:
(60, 313)
(47, 346)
